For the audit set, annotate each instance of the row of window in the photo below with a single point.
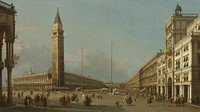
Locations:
(161, 63)
(59, 33)
(178, 77)
(161, 81)
(161, 71)
(76, 79)
(185, 49)
(185, 62)
(24, 80)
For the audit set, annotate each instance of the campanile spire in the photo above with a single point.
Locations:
(57, 18)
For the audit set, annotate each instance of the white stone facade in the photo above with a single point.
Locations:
(187, 78)
(161, 75)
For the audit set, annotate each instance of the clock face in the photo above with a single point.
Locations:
(169, 63)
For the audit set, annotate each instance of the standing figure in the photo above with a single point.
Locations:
(129, 100)
(182, 100)
(22, 94)
(117, 103)
(177, 100)
(63, 100)
(124, 99)
(87, 101)
(149, 100)
(170, 102)
(18, 94)
(26, 101)
(68, 99)
(45, 101)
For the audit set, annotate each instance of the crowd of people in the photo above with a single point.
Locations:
(87, 99)
(177, 100)
(65, 99)
(38, 98)
(128, 100)
(41, 98)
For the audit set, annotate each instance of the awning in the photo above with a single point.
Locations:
(142, 89)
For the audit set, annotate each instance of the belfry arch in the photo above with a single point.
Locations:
(7, 37)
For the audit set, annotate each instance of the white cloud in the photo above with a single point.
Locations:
(72, 56)
(19, 46)
(32, 29)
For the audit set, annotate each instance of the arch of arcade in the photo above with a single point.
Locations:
(7, 37)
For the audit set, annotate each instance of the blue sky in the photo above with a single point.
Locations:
(136, 28)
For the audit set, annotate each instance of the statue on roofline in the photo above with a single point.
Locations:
(178, 10)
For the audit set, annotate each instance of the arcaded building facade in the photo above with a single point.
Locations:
(178, 67)
(133, 84)
(55, 77)
(43, 82)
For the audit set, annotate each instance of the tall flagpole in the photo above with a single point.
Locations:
(111, 61)
(82, 68)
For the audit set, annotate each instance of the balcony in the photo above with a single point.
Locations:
(187, 15)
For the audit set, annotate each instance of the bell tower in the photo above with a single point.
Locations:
(175, 31)
(58, 52)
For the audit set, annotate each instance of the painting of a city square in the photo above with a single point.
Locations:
(99, 56)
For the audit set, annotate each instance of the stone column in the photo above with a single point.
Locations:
(181, 90)
(161, 90)
(9, 64)
(1, 67)
(1, 84)
(10, 90)
(190, 93)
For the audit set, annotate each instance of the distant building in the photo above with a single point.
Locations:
(146, 79)
(43, 81)
(133, 84)
(55, 78)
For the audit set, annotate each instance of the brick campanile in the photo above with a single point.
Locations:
(58, 52)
